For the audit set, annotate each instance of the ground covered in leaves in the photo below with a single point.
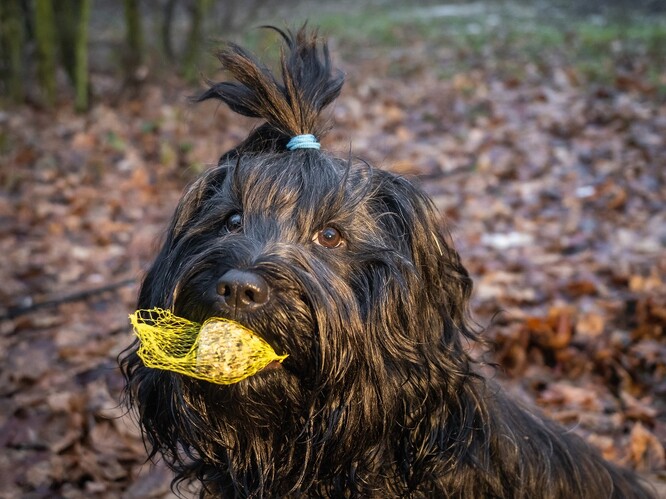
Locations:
(553, 186)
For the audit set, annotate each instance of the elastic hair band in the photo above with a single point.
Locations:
(307, 141)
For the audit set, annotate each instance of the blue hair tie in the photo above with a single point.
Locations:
(307, 141)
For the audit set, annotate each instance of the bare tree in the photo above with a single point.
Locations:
(46, 43)
(81, 76)
(11, 42)
(192, 54)
(134, 37)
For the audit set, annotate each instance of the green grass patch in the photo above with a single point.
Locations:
(507, 35)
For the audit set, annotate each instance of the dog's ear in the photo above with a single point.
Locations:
(291, 106)
(419, 234)
(158, 285)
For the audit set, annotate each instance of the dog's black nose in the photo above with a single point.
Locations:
(242, 291)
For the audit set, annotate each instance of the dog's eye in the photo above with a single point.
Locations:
(234, 222)
(329, 237)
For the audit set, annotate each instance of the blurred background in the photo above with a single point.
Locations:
(538, 128)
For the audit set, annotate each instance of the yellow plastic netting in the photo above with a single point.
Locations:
(220, 351)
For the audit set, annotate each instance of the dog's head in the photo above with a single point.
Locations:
(341, 266)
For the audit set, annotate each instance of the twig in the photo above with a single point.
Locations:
(13, 312)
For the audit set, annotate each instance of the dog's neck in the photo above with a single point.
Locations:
(337, 444)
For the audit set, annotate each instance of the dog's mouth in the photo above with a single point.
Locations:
(220, 350)
(275, 365)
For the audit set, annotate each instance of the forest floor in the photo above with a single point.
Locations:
(545, 152)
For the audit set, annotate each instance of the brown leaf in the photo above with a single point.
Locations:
(554, 331)
(590, 325)
(645, 450)
(581, 288)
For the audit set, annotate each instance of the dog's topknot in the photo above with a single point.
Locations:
(290, 107)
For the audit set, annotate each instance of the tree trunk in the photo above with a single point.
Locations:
(66, 16)
(46, 44)
(81, 76)
(134, 37)
(167, 24)
(192, 54)
(11, 38)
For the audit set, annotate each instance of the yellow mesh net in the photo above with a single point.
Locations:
(220, 351)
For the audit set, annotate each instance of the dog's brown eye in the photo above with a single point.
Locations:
(234, 223)
(329, 237)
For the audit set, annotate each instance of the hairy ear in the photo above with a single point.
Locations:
(419, 233)
(158, 284)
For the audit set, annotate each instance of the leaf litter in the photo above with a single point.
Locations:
(554, 190)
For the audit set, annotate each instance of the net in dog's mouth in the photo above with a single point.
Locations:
(219, 351)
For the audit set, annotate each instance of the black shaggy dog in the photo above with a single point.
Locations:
(344, 268)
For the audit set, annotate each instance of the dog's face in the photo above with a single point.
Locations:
(341, 267)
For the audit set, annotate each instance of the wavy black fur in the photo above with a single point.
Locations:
(378, 397)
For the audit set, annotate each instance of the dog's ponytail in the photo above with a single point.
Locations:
(290, 107)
